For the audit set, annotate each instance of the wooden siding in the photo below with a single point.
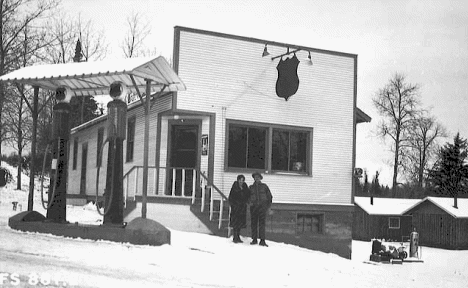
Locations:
(89, 135)
(436, 228)
(230, 78)
(367, 227)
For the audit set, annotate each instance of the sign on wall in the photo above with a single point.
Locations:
(204, 141)
(288, 81)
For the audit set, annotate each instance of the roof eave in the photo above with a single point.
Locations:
(362, 117)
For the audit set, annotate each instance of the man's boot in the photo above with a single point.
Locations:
(238, 236)
(263, 243)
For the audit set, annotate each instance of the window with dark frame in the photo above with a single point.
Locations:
(247, 147)
(289, 150)
(75, 153)
(309, 223)
(250, 147)
(100, 140)
(130, 139)
(394, 222)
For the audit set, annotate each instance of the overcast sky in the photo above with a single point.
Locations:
(425, 40)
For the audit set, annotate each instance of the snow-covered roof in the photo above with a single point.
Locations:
(385, 206)
(446, 204)
(94, 78)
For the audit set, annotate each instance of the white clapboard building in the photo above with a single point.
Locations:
(231, 121)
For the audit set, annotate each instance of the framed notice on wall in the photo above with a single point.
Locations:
(204, 141)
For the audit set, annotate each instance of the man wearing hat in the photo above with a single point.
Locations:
(260, 199)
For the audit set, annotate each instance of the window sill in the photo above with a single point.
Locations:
(290, 173)
(265, 172)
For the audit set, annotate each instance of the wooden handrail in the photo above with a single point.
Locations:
(206, 180)
(225, 198)
(214, 186)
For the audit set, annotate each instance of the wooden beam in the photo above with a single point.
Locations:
(33, 148)
(147, 104)
(138, 90)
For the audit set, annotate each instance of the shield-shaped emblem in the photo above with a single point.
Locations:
(288, 81)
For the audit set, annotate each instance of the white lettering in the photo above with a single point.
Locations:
(14, 279)
(3, 277)
(53, 166)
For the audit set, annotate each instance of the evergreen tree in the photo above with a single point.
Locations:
(365, 188)
(449, 177)
(375, 186)
(86, 110)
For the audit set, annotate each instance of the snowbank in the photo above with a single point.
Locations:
(199, 260)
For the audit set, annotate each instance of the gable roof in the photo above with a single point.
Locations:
(385, 206)
(446, 204)
(94, 78)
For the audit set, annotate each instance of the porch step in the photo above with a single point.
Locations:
(164, 199)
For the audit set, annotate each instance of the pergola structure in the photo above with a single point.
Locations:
(154, 75)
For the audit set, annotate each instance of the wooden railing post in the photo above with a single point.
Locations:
(136, 181)
(203, 195)
(126, 184)
(211, 204)
(155, 189)
(194, 180)
(174, 174)
(183, 183)
(229, 223)
(221, 209)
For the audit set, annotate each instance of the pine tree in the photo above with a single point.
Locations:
(375, 186)
(449, 177)
(365, 187)
(84, 106)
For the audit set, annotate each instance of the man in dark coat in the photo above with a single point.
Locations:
(238, 198)
(260, 199)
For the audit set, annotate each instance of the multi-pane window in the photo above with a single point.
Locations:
(246, 147)
(309, 223)
(267, 147)
(75, 152)
(100, 140)
(289, 150)
(394, 222)
(130, 139)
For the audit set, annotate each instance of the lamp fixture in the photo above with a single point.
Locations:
(288, 52)
(265, 51)
(285, 54)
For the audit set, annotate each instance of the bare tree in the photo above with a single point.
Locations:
(93, 42)
(17, 117)
(398, 103)
(62, 39)
(16, 15)
(18, 125)
(424, 131)
(138, 29)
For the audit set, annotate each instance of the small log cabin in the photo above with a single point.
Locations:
(231, 120)
(382, 218)
(441, 223)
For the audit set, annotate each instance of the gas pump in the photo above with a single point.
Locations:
(57, 202)
(414, 243)
(116, 133)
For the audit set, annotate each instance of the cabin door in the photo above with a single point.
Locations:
(84, 162)
(184, 158)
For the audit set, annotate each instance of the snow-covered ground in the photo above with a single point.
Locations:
(198, 260)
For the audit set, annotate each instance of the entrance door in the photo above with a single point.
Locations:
(84, 160)
(183, 155)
